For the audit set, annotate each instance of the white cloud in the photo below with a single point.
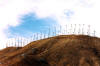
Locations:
(63, 11)
(10, 12)
(71, 11)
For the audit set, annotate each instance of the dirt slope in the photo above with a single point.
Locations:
(65, 50)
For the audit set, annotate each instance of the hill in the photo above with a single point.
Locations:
(64, 50)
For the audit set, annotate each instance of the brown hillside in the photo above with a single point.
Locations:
(65, 50)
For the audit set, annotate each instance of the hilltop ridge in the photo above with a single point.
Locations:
(63, 50)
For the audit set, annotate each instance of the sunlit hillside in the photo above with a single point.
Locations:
(63, 50)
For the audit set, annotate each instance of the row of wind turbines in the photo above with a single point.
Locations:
(50, 32)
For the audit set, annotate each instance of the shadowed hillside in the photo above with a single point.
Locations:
(64, 50)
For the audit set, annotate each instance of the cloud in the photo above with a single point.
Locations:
(63, 11)
(70, 11)
(10, 13)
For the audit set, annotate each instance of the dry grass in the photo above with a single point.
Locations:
(65, 50)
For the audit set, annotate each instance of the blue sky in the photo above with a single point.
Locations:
(31, 24)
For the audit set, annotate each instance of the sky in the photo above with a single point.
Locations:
(26, 17)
